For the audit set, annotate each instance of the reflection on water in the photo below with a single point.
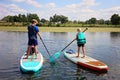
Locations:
(115, 34)
(104, 46)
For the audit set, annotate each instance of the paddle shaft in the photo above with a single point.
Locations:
(68, 45)
(45, 46)
(72, 41)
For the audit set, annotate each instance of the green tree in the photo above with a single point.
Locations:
(101, 21)
(24, 18)
(75, 22)
(8, 18)
(55, 19)
(43, 20)
(11, 19)
(115, 19)
(20, 18)
(16, 18)
(5, 18)
(32, 16)
(108, 22)
(59, 19)
(92, 20)
(63, 19)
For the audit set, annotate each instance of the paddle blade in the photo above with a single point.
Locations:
(55, 56)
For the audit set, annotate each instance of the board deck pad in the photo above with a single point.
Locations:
(31, 58)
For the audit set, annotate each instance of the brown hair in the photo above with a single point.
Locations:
(34, 20)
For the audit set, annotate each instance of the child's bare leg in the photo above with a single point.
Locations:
(36, 51)
(28, 52)
(83, 50)
(78, 51)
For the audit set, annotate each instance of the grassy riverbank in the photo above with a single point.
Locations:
(60, 29)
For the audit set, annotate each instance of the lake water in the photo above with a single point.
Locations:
(104, 46)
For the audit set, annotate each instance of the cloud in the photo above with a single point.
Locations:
(15, 9)
(30, 2)
(111, 10)
(50, 5)
(18, 0)
(89, 3)
(10, 9)
(83, 4)
(73, 12)
(79, 11)
(108, 12)
(33, 2)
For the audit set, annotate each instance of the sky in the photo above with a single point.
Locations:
(81, 10)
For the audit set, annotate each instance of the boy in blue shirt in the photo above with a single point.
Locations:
(81, 40)
(33, 31)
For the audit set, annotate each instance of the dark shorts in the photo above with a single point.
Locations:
(81, 45)
(32, 42)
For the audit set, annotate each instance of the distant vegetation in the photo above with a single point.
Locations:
(59, 21)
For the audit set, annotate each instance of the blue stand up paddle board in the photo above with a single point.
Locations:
(32, 64)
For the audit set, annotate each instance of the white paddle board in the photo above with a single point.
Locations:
(87, 62)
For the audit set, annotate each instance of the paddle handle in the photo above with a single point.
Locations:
(45, 46)
(72, 41)
(85, 29)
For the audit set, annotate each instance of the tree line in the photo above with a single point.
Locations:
(114, 20)
(57, 20)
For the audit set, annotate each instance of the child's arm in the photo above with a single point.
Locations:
(75, 38)
(39, 35)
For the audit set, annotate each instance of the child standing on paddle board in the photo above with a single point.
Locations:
(81, 40)
(33, 31)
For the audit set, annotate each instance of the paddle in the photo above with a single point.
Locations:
(45, 46)
(51, 59)
(57, 54)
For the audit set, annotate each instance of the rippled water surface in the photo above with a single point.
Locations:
(104, 46)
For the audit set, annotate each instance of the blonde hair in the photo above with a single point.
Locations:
(79, 29)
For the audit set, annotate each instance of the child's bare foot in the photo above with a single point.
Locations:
(83, 56)
(77, 56)
(25, 58)
(35, 56)
(37, 52)
(25, 54)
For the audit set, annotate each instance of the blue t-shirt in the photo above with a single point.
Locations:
(32, 32)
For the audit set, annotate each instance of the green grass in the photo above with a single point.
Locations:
(23, 29)
(61, 29)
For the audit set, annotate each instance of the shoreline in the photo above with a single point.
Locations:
(61, 29)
